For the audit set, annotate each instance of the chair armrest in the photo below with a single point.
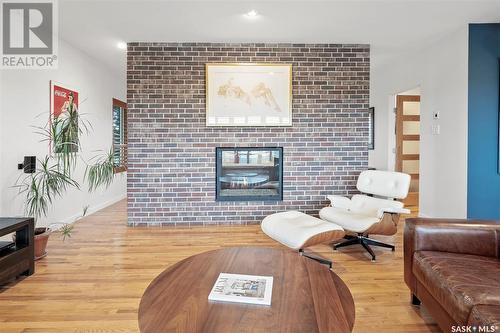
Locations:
(392, 210)
(474, 237)
(339, 202)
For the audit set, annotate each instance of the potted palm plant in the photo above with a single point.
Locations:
(54, 174)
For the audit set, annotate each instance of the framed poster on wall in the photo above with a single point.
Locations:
(248, 95)
(64, 103)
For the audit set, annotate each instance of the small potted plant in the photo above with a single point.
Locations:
(53, 176)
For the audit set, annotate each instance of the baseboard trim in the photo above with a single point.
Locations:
(91, 210)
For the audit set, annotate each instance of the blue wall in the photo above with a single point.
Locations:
(483, 193)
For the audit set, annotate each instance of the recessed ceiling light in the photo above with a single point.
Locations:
(252, 14)
(121, 45)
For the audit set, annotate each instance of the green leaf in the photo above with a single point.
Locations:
(43, 186)
(85, 209)
(66, 231)
(101, 173)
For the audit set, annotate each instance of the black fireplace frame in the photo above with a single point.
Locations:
(218, 174)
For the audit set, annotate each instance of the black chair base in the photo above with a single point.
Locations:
(315, 258)
(363, 241)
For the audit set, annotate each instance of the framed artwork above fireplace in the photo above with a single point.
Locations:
(249, 174)
(248, 95)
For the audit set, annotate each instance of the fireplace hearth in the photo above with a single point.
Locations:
(249, 174)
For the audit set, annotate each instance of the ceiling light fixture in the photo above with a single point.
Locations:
(121, 45)
(252, 14)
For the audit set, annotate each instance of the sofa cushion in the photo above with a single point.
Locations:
(485, 315)
(459, 281)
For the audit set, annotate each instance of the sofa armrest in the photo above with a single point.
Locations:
(448, 235)
(339, 202)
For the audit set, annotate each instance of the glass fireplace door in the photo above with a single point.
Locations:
(246, 174)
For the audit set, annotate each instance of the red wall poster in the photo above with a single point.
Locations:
(63, 99)
(64, 104)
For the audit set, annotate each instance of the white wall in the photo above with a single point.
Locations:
(1, 143)
(377, 158)
(25, 103)
(441, 72)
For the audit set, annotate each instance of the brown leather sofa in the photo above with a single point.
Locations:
(453, 268)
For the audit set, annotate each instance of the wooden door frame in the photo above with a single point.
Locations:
(400, 99)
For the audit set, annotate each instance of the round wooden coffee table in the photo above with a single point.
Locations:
(307, 296)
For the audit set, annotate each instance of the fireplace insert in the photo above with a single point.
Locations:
(248, 174)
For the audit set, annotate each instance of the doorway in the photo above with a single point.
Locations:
(408, 143)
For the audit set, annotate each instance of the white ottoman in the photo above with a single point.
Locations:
(298, 230)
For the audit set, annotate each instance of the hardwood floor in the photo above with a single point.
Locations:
(94, 281)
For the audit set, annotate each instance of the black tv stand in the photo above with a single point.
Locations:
(17, 258)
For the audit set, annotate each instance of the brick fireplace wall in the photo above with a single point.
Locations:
(171, 153)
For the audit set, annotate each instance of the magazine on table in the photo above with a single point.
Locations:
(250, 289)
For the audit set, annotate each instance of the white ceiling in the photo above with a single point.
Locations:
(392, 27)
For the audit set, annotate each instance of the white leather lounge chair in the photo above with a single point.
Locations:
(364, 215)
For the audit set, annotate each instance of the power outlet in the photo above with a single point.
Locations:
(436, 129)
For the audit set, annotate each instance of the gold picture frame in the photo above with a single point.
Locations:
(248, 95)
